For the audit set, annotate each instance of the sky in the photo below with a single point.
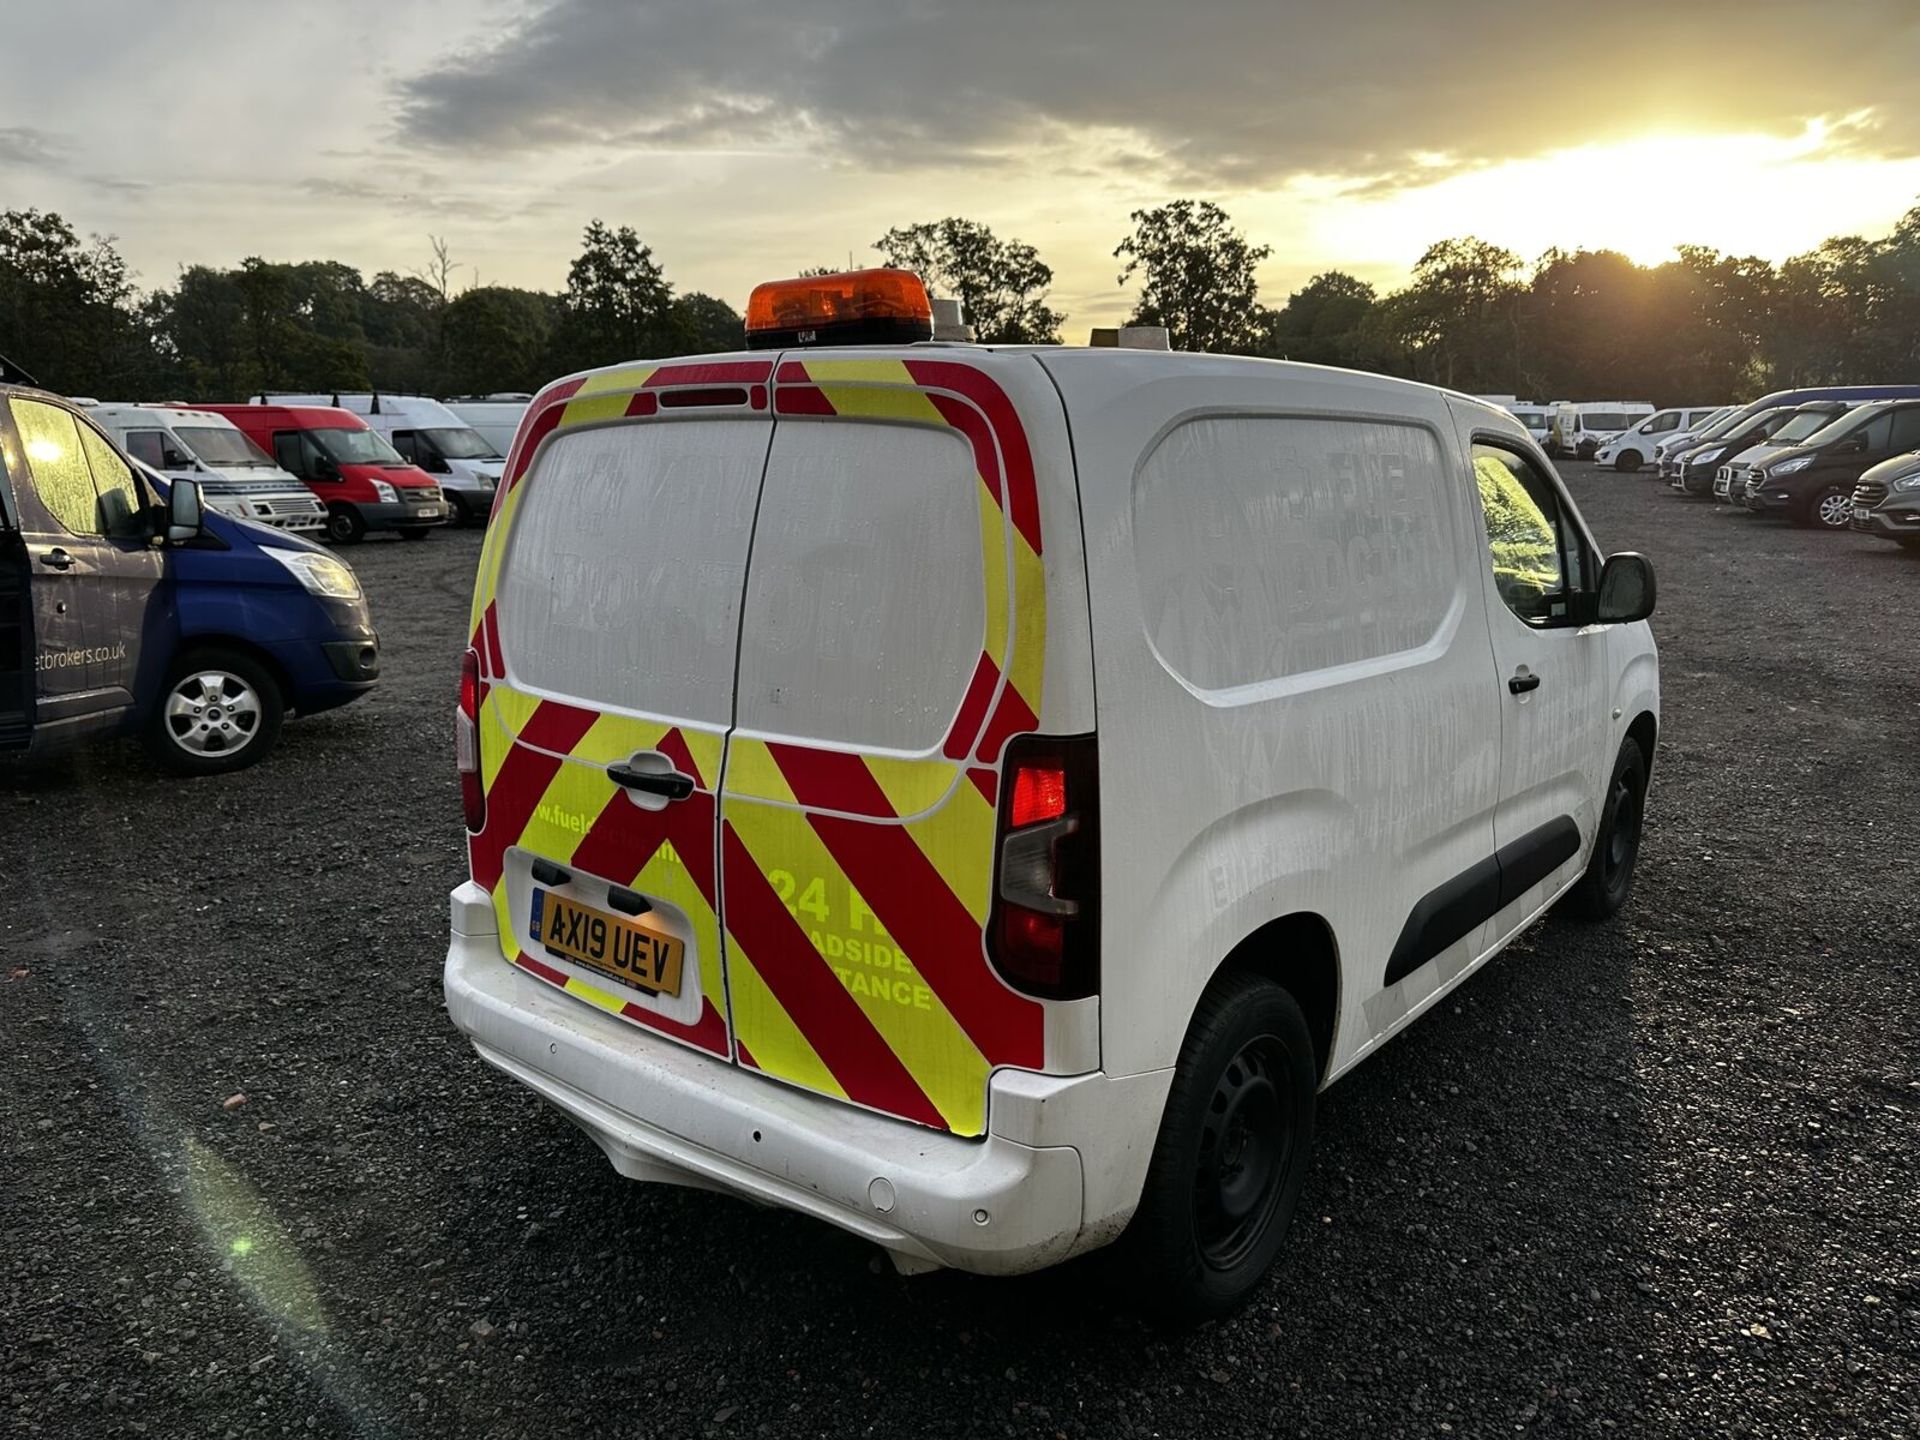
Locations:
(747, 139)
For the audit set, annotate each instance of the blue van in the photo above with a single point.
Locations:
(126, 606)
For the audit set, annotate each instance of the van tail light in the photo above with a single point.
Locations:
(1044, 933)
(466, 742)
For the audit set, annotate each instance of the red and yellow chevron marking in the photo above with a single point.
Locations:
(855, 887)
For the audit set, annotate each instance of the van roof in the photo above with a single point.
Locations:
(150, 409)
(304, 417)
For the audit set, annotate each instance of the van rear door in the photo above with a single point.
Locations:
(891, 640)
(606, 617)
(16, 626)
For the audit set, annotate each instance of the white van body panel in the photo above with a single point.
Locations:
(471, 478)
(262, 493)
(1268, 593)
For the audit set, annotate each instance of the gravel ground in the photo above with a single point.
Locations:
(1654, 1179)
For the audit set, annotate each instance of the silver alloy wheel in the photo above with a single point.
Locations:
(212, 712)
(1836, 511)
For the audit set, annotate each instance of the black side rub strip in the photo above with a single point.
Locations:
(1450, 912)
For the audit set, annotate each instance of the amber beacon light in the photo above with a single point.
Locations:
(855, 307)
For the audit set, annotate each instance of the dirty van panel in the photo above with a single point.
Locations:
(607, 618)
(894, 627)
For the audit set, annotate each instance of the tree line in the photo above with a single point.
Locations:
(1702, 327)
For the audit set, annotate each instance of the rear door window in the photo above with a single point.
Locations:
(623, 574)
(866, 605)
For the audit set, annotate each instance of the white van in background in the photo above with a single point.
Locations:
(429, 435)
(1536, 415)
(236, 477)
(1581, 427)
(494, 417)
(1633, 447)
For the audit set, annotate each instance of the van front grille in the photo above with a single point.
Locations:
(1869, 495)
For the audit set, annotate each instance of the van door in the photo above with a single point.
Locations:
(891, 639)
(1552, 674)
(16, 619)
(606, 617)
(93, 568)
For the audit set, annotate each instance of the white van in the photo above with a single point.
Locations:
(1537, 417)
(429, 435)
(1634, 446)
(979, 796)
(1580, 428)
(493, 417)
(236, 477)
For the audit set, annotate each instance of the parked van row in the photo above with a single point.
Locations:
(1834, 458)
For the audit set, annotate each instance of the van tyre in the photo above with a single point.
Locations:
(1608, 880)
(344, 525)
(1231, 1155)
(1831, 509)
(414, 532)
(220, 711)
(459, 513)
(1628, 461)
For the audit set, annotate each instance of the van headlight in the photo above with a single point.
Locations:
(1792, 467)
(1912, 482)
(318, 574)
(383, 491)
(1707, 457)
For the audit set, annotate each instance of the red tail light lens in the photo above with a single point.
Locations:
(1044, 932)
(466, 742)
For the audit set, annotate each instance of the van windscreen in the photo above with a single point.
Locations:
(222, 447)
(355, 447)
(1807, 422)
(461, 444)
(628, 549)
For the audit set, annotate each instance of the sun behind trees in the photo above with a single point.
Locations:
(1701, 327)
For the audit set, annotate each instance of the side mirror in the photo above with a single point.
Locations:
(1854, 446)
(325, 469)
(437, 464)
(1627, 590)
(185, 511)
(171, 459)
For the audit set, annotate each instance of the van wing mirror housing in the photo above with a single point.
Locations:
(1627, 589)
(185, 511)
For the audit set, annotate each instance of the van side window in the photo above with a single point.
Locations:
(1906, 429)
(119, 497)
(61, 474)
(1878, 432)
(1660, 424)
(289, 450)
(1531, 546)
(147, 447)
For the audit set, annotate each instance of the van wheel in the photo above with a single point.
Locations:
(1608, 880)
(1628, 461)
(1831, 509)
(459, 513)
(344, 525)
(1231, 1155)
(220, 711)
(414, 532)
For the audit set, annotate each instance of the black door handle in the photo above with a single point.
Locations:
(670, 783)
(1521, 684)
(57, 559)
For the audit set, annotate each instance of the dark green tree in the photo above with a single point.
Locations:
(705, 325)
(1196, 276)
(69, 312)
(497, 339)
(1002, 285)
(1320, 322)
(617, 306)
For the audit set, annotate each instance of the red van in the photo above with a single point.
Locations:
(362, 479)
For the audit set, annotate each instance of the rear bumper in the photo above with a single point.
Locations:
(1017, 1200)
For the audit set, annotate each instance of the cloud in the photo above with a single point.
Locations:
(1211, 92)
(30, 149)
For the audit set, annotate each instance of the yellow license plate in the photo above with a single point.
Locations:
(629, 951)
